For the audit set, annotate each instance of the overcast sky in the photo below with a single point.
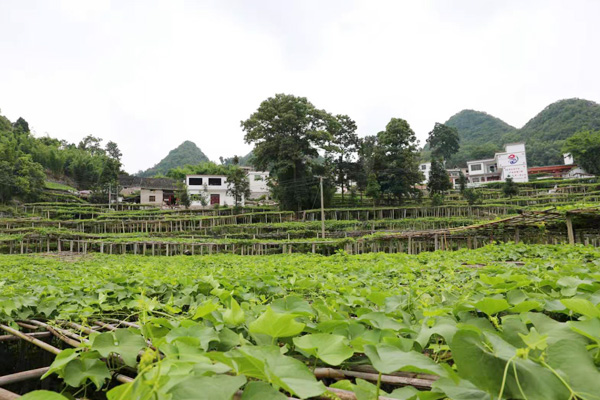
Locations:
(151, 74)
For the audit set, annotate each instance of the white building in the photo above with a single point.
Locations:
(513, 162)
(425, 168)
(258, 184)
(213, 188)
(510, 163)
(482, 171)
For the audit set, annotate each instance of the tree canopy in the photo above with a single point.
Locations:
(288, 132)
(585, 148)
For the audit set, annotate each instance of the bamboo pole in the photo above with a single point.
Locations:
(22, 376)
(34, 334)
(30, 339)
(6, 395)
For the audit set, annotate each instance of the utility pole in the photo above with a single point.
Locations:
(322, 209)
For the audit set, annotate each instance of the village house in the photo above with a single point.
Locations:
(153, 191)
(209, 190)
(258, 183)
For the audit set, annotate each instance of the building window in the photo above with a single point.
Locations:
(214, 181)
(258, 177)
(492, 168)
(424, 167)
(475, 180)
(475, 167)
(195, 181)
(152, 199)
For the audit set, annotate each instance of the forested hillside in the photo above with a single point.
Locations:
(481, 134)
(25, 161)
(187, 153)
(546, 133)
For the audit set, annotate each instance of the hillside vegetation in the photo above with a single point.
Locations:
(482, 134)
(26, 160)
(187, 153)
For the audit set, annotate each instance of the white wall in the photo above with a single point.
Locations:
(258, 187)
(513, 162)
(206, 188)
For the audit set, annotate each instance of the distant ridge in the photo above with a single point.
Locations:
(186, 153)
(482, 134)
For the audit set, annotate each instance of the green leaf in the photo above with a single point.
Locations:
(218, 387)
(388, 359)
(492, 306)
(462, 390)
(332, 349)
(582, 306)
(123, 342)
(292, 305)
(198, 333)
(78, 371)
(268, 364)
(235, 315)
(60, 361)
(43, 395)
(571, 360)
(482, 359)
(534, 340)
(525, 306)
(261, 391)
(589, 328)
(204, 309)
(381, 321)
(276, 325)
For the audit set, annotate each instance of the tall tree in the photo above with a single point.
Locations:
(21, 126)
(443, 141)
(91, 144)
(112, 149)
(439, 181)
(238, 185)
(344, 148)
(585, 148)
(288, 132)
(397, 160)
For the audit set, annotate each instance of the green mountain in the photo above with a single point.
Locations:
(546, 133)
(477, 127)
(186, 153)
(481, 134)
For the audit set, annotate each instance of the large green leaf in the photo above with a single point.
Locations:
(570, 359)
(78, 371)
(200, 334)
(218, 387)
(332, 349)
(276, 325)
(582, 306)
(491, 306)
(381, 321)
(387, 359)
(235, 315)
(123, 342)
(482, 359)
(292, 305)
(268, 364)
